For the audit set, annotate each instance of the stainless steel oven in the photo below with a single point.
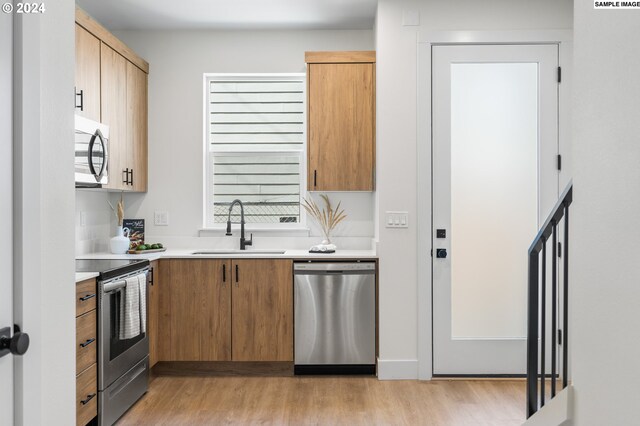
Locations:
(123, 364)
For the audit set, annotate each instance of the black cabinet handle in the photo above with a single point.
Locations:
(224, 272)
(315, 178)
(237, 273)
(81, 94)
(87, 297)
(126, 176)
(89, 398)
(88, 342)
(131, 183)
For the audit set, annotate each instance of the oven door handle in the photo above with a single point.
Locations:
(113, 287)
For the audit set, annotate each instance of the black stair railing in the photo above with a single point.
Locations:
(537, 327)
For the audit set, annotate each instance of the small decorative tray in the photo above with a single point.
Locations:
(322, 251)
(146, 251)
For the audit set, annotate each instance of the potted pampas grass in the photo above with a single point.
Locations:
(327, 218)
(119, 244)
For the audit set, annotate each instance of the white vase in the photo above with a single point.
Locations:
(119, 244)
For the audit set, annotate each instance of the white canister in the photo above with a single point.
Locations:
(119, 244)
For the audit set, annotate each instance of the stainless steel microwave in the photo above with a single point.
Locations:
(92, 153)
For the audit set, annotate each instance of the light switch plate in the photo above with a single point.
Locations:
(397, 219)
(161, 218)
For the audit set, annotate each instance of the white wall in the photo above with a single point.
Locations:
(397, 168)
(44, 205)
(604, 274)
(177, 61)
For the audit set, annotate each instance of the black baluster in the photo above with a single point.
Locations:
(554, 291)
(532, 335)
(565, 299)
(543, 321)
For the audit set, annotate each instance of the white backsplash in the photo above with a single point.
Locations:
(93, 221)
(96, 224)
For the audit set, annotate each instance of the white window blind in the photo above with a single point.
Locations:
(256, 141)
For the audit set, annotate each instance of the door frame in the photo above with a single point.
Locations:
(425, 41)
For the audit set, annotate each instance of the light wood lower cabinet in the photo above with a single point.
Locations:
(225, 310)
(154, 312)
(262, 310)
(195, 310)
(86, 358)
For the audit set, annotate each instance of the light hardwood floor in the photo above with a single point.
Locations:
(327, 401)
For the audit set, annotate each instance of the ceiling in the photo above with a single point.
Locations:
(232, 14)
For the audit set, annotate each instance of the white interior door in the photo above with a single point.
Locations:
(495, 178)
(6, 203)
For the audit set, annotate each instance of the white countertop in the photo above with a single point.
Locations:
(187, 254)
(81, 276)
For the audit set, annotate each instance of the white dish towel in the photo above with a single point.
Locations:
(133, 307)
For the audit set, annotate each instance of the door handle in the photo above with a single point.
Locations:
(237, 278)
(16, 345)
(441, 253)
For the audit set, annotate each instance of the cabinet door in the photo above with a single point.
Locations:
(154, 313)
(262, 310)
(341, 126)
(137, 124)
(88, 73)
(114, 114)
(195, 310)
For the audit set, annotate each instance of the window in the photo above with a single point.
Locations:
(255, 143)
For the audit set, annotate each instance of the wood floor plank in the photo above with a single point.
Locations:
(327, 401)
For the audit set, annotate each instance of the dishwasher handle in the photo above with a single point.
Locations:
(325, 268)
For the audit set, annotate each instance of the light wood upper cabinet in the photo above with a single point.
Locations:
(341, 121)
(195, 310)
(262, 310)
(114, 83)
(137, 125)
(113, 72)
(87, 74)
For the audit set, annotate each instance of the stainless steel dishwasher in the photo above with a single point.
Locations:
(335, 317)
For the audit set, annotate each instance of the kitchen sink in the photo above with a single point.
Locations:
(237, 252)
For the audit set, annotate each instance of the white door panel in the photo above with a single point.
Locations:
(494, 179)
(6, 202)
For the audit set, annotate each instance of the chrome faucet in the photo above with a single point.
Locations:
(243, 242)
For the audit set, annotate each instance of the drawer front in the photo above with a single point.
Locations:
(85, 296)
(86, 341)
(87, 395)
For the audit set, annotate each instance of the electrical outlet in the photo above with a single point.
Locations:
(397, 219)
(161, 218)
(83, 218)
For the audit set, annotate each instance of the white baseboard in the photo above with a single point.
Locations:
(397, 369)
